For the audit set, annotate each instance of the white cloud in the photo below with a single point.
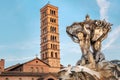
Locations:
(112, 37)
(104, 6)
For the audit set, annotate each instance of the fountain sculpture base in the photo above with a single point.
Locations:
(103, 71)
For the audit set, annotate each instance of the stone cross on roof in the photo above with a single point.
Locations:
(36, 55)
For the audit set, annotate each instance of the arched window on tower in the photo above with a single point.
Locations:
(55, 46)
(52, 12)
(44, 13)
(51, 20)
(51, 46)
(51, 29)
(56, 55)
(51, 54)
(51, 37)
(54, 29)
(55, 38)
(46, 54)
(54, 20)
(43, 56)
(45, 39)
(44, 30)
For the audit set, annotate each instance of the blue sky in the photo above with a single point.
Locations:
(20, 28)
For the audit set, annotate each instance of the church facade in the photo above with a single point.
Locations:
(47, 67)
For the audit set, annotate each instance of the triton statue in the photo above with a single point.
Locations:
(89, 34)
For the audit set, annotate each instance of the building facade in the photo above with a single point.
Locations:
(47, 67)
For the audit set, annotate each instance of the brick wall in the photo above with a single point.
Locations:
(2, 65)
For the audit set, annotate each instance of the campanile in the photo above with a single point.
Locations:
(50, 48)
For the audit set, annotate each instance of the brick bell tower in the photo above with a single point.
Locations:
(50, 48)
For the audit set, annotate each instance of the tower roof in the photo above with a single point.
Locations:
(48, 5)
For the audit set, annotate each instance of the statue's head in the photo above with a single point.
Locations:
(87, 17)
